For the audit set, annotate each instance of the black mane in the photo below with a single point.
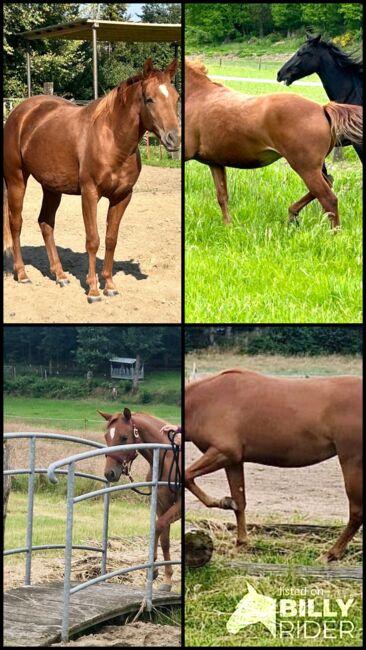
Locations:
(343, 59)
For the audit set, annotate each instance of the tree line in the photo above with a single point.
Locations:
(89, 348)
(271, 339)
(69, 63)
(224, 22)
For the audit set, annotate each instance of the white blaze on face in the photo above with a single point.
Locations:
(112, 431)
(163, 89)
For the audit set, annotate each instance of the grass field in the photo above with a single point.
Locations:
(213, 592)
(260, 269)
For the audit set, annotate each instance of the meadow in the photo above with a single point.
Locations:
(260, 269)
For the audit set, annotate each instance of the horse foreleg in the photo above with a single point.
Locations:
(162, 531)
(46, 220)
(115, 214)
(89, 199)
(235, 477)
(352, 472)
(219, 177)
(211, 461)
(15, 194)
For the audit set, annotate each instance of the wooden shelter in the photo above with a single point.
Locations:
(103, 30)
(125, 368)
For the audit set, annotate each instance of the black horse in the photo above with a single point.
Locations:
(340, 73)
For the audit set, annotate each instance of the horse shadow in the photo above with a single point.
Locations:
(73, 263)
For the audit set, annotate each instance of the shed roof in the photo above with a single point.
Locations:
(122, 360)
(108, 30)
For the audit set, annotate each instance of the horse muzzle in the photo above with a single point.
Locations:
(171, 140)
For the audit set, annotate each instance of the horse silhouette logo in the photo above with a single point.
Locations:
(253, 608)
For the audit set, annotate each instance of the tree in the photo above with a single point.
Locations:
(286, 16)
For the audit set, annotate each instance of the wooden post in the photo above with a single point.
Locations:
(48, 88)
(6, 483)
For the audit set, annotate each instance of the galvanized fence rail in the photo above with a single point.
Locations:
(70, 462)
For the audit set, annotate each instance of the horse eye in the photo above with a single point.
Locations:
(149, 100)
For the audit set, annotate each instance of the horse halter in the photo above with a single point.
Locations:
(119, 457)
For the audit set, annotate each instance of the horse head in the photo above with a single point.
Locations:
(121, 430)
(304, 62)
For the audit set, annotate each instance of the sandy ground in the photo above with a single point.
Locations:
(137, 634)
(147, 263)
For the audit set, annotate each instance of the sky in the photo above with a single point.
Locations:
(134, 8)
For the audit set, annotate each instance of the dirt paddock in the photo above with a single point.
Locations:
(146, 268)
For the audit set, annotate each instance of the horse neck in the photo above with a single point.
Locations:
(126, 124)
(339, 83)
(149, 432)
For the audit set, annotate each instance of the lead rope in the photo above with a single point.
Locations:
(174, 486)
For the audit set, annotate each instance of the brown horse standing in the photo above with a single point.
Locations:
(91, 151)
(224, 128)
(133, 428)
(239, 416)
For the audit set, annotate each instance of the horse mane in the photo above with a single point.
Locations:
(201, 71)
(106, 105)
(344, 59)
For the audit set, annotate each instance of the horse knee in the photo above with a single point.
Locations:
(92, 244)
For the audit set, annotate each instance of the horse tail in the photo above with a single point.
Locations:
(345, 122)
(8, 240)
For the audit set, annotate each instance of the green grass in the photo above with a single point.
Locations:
(75, 415)
(213, 591)
(261, 270)
(158, 158)
(50, 517)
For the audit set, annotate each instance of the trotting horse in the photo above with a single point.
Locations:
(340, 73)
(224, 128)
(133, 428)
(91, 151)
(239, 415)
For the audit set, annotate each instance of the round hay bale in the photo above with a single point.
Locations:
(198, 548)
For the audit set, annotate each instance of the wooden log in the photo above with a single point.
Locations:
(198, 548)
(327, 572)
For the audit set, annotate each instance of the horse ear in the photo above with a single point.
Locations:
(313, 39)
(171, 70)
(106, 416)
(127, 413)
(148, 67)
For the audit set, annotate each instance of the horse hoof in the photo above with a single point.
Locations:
(228, 504)
(155, 573)
(63, 283)
(92, 299)
(110, 292)
(165, 587)
(25, 281)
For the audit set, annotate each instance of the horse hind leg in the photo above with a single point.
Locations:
(46, 220)
(295, 208)
(320, 188)
(165, 547)
(16, 187)
(352, 472)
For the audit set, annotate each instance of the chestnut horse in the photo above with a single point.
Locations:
(131, 428)
(240, 415)
(224, 128)
(91, 151)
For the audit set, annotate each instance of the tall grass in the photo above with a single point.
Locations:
(261, 269)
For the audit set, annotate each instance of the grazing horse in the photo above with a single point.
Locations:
(239, 415)
(340, 74)
(224, 128)
(91, 151)
(132, 428)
